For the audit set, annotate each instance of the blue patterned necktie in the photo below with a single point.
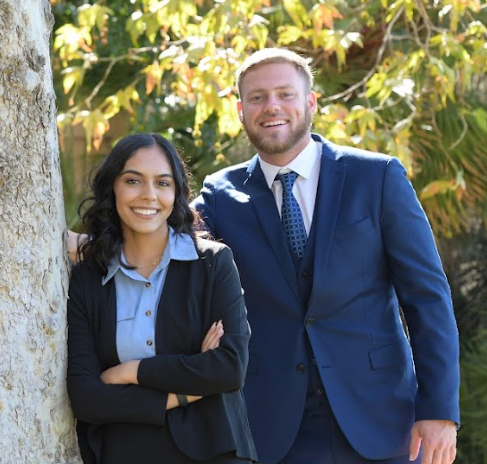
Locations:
(291, 217)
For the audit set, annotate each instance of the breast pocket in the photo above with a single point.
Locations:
(353, 230)
(124, 334)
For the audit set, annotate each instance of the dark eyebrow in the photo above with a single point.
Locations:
(137, 173)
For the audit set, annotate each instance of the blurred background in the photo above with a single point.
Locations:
(407, 78)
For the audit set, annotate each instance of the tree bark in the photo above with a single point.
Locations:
(36, 424)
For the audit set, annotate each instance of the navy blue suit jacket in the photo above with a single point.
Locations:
(374, 252)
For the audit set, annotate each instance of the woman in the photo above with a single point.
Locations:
(158, 333)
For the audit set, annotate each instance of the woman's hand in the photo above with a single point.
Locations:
(210, 342)
(124, 374)
(212, 337)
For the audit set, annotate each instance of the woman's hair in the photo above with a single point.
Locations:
(101, 221)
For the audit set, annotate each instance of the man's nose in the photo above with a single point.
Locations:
(272, 105)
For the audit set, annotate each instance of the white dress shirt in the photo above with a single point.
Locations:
(307, 166)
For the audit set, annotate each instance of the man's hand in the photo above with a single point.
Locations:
(438, 440)
(73, 239)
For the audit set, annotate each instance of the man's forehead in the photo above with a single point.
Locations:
(260, 78)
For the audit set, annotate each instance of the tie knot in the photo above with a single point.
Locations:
(287, 179)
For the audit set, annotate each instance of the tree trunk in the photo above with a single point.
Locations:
(36, 424)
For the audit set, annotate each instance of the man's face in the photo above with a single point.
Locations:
(276, 111)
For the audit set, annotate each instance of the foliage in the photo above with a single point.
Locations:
(473, 433)
(465, 261)
(403, 77)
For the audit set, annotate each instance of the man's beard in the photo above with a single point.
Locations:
(280, 145)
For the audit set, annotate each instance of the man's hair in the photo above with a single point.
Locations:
(276, 55)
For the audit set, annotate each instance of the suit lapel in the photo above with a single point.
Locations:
(108, 329)
(264, 204)
(328, 198)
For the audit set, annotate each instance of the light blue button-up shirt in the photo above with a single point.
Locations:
(138, 298)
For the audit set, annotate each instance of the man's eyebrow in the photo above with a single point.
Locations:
(281, 87)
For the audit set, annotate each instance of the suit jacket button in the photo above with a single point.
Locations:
(310, 321)
(301, 368)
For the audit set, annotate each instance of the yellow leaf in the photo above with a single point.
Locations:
(72, 77)
(228, 121)
(289, 34)
(437, 187)
(324, 15)
(87, 15)
(297, 12)
(153, 76)
(95, 125)
(111, 106)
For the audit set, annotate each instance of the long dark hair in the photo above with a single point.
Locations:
(98, 210)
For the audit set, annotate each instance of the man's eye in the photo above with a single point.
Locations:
(256, 98)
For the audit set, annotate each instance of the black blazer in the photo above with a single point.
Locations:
(196, 294)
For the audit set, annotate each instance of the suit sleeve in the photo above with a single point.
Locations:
(205, 205)
(424, 296)
(91, 400)
(215, 371)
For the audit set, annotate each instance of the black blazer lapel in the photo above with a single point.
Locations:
(108, 324)
(264, 204)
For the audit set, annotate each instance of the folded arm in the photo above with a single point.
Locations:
(214, 371)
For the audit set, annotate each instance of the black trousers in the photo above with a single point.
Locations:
(154, 446)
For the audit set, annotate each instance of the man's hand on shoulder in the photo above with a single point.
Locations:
(438, 440)
(73, 240)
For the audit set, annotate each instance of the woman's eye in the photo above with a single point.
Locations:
(163, 183)
(132, 181)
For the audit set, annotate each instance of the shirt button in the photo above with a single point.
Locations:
(147, 284)
(310, 321)
(314, 362)
(148, 313)
(300, 368)
(304, 275)
(320, 391)
(149, 342)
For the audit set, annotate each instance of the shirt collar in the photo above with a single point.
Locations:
(180, 247)
(302, 164)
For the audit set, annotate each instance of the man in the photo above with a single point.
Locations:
(331, 377)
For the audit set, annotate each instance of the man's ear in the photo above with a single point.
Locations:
(240, 110)
(312, 103)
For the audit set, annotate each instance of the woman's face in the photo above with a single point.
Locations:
(145, 192)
